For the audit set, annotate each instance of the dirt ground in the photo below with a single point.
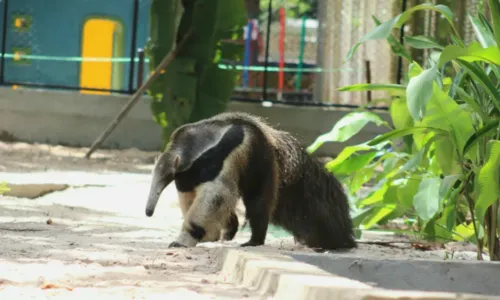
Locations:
(94, 240)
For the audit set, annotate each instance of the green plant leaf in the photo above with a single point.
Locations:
(451, 210)
(427, 201)
(361, 177)
(422, 42)
(383, 30)
(447, 183)
(419, 92)
(396, 47)
(482, 78)
(378, 214)
(360, 215)
(444, 113)
(474, 52)
(495, 18)
(407, 191)
(488, 179)
(446, 157)
(376, 196)
(483, 131)
(404, 131)
(348, 151)
(464, 232)
(470, 101)
(395, 89)
(351, 164)
(400, 115)
(346, 127)
(482, 33)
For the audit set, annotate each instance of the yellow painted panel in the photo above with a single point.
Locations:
(97, 42)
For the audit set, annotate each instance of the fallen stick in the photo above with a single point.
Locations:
(137, 95)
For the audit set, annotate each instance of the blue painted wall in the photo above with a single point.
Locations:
(57, 31)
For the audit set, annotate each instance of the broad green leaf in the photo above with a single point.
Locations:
(415, 160)
(400, 115)
(488, 179)
(446, 157)
(346, 127)
(440, 224)
(378, 214)
(350, 150)
(376, 196)
(447, 83)
(422, 42)
(444, 113)
(394, 89)
(474, 52)
(403, 132)
(351, 164)
(407, 191)
(483, 34)
(391, 195)
(451, 211)
(361, 177)
(448, 183)
(495, 18)
(414, 69)
(463, 232)
(427, 201)
(419, 91)
(482, 132)
(360, 215)
(383, 30)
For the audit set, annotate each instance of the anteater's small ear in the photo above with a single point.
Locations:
(177, 161)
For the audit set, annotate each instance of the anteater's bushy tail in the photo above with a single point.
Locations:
(312, 204)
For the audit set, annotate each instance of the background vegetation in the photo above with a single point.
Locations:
(193, 87)
(438, 166)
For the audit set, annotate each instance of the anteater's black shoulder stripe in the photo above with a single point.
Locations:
(208, 166)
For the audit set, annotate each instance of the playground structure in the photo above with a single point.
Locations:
(99, 49)
(94, 46)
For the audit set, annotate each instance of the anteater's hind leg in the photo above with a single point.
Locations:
(259, 203)
(211, 209)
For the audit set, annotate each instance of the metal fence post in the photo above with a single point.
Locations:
(133, 46)
(140, 67)
(266, 58)
(401, 40)
(4, 41)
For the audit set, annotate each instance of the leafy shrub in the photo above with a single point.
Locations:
(439, 163)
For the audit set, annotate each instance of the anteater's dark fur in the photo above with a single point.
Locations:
(310, 202)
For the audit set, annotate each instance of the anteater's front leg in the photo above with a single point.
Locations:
(210, 210)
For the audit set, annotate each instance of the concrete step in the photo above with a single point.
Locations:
(279, 276)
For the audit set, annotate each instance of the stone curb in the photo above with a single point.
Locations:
(281, 277)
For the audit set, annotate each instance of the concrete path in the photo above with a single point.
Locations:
(91, 239)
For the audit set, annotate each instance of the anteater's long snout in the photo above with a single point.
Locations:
(157, 187)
